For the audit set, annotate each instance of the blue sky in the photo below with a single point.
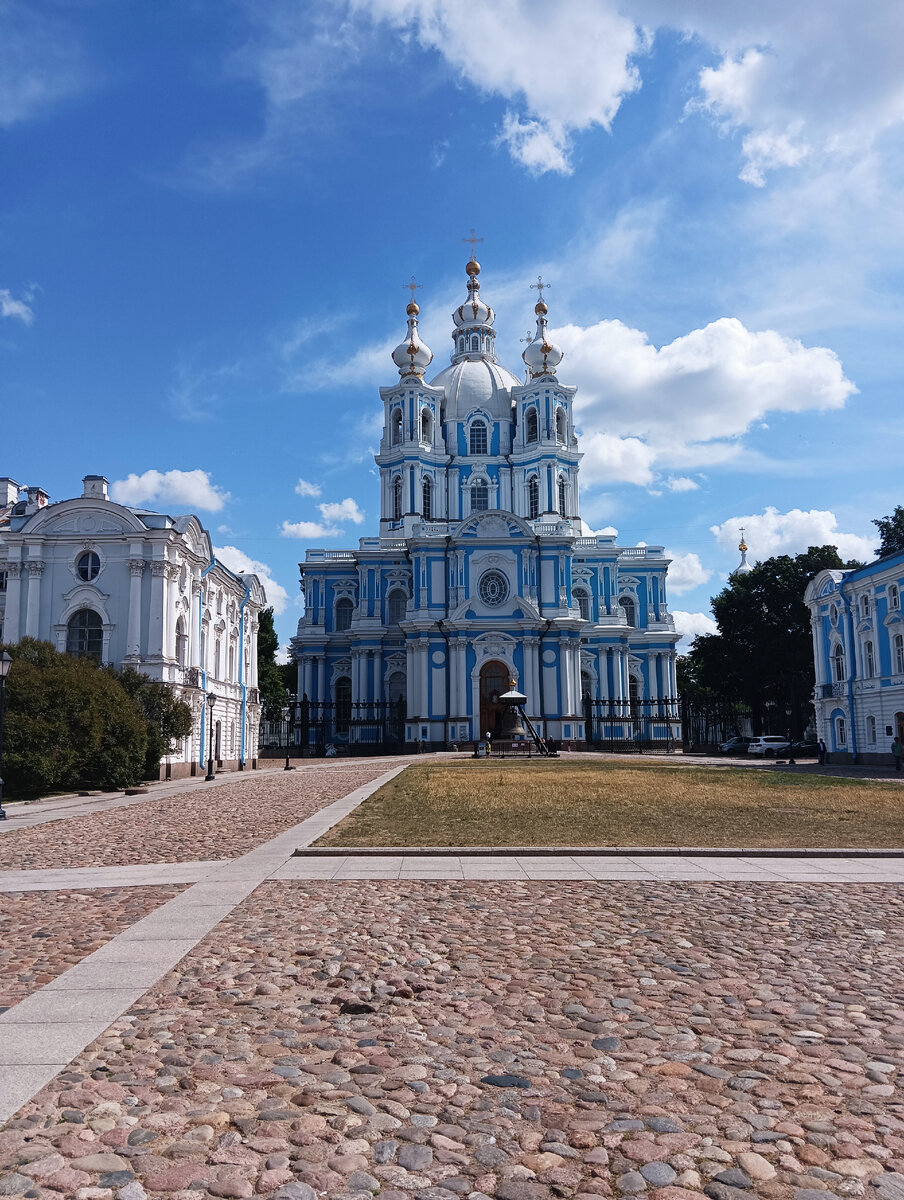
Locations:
(208, 212)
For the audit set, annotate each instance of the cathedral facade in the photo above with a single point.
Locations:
(481, 572)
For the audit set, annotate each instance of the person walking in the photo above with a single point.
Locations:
(821, 752)
(897, 751)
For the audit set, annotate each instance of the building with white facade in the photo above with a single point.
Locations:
(135, 588)
(481, 571)
(858, 654)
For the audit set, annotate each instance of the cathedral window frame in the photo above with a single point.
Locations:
(869, 659)
(396, 612)
(897, 646)
(837, 665)
(427, 498)
(346, 606)
(88, 566)
(396, 426)
(630, 608)
(396, 493)
(479, 489)
(584, 602)
(562, 496)
(561, 422)
(426, 426)
(531, 424)
(474, 343)
(84, 635)
(894, 597)
(478, 425)
(533, 497)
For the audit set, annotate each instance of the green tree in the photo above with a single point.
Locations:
(891, 530)
(69, 724)
(269, 673)
(167, 719)
(762, 655)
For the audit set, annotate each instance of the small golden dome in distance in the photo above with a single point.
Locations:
(742, 546)
(540, 308)
(473, 267)
(412, 310)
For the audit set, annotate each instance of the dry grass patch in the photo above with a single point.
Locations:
(603, 804)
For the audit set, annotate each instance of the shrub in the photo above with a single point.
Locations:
(166, 718)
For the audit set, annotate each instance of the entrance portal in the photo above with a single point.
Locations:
(494, 682)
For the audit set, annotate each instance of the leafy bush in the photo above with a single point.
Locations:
(68, 724)
(166, 718)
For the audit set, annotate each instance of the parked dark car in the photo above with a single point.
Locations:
(805, 749)
(735, 745)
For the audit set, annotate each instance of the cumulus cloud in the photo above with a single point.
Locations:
(185, 489)
(342, 510)
(303, 488)
(10, 306)
(689, 401)
(681, 483)
(772, 532)
(686, 572)
(308, 529)
(236, 560)
(691, 625)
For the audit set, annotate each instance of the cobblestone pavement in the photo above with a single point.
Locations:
(517, 1040)
(43, 934)
(188, 825)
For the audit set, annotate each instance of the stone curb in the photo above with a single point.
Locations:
(586, 852)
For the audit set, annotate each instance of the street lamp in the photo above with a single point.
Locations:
(211, 701)
(290, 724)
(5, 663)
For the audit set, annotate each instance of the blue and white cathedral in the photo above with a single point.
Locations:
(481, 573)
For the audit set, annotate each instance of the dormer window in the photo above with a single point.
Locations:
(396, 420)
(479, 437)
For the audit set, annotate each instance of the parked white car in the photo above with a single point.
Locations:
(768, 746)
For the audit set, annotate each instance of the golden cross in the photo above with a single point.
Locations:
(742, 533)
(473, 240)
(412, 287)
(529, 338)
(540, 285)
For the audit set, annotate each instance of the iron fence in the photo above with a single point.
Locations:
(633, 727)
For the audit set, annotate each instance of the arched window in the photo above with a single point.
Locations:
(343, 697)
(840, 731)
(181, 643)
(475, 343)
(869, 659)
(88, 566)
(344, 609)
(899, 654)
(85, 634)
(396, 426)
(533, 498)
(531, 425)
(231, 674)
(561, 425)
(864, 606)
(586, 686)
(894, 596)
(426, 425)
(480, 497)
(461, 345)
(582, 599)
(563, 496)
(396, 604)
(871, 728)
(427, 500)
(627, 603)
(838, 664)
(217, 658)
(478, 437)
(397, 498)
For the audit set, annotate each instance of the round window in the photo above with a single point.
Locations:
(88, 566)
(493, 588)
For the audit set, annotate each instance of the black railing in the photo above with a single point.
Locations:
(368, 727)
(633, 726)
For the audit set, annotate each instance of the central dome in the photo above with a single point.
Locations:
(476, 383)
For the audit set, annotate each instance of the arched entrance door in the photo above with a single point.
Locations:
(494, 680)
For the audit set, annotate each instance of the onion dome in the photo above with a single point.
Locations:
(473, 311)
(542, 355)
(743, 567)
(412, 356)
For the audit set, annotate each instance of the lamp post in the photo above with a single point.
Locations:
(211, 701)
(5, 663)
(290, 724)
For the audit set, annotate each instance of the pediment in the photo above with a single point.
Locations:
(492, 524)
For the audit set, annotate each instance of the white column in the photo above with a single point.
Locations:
(413, 689)
(194, 632)
(169, 629)
(156, 621)
(33, 604)
(424, 668)
(133, 641)
(13, 602)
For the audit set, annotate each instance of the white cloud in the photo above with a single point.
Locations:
(691, 625)
(303, 488)
(686, 572)
(40, 62)
(236, 560)
(688, 402)
(772, 532)
(11, 307)
(343, 510)
(606, 531)
(308, 529)
(681, 483)
(189, 489)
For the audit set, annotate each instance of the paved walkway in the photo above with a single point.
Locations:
(47, 1029)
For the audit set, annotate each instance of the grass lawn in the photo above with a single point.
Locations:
(607, 804)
